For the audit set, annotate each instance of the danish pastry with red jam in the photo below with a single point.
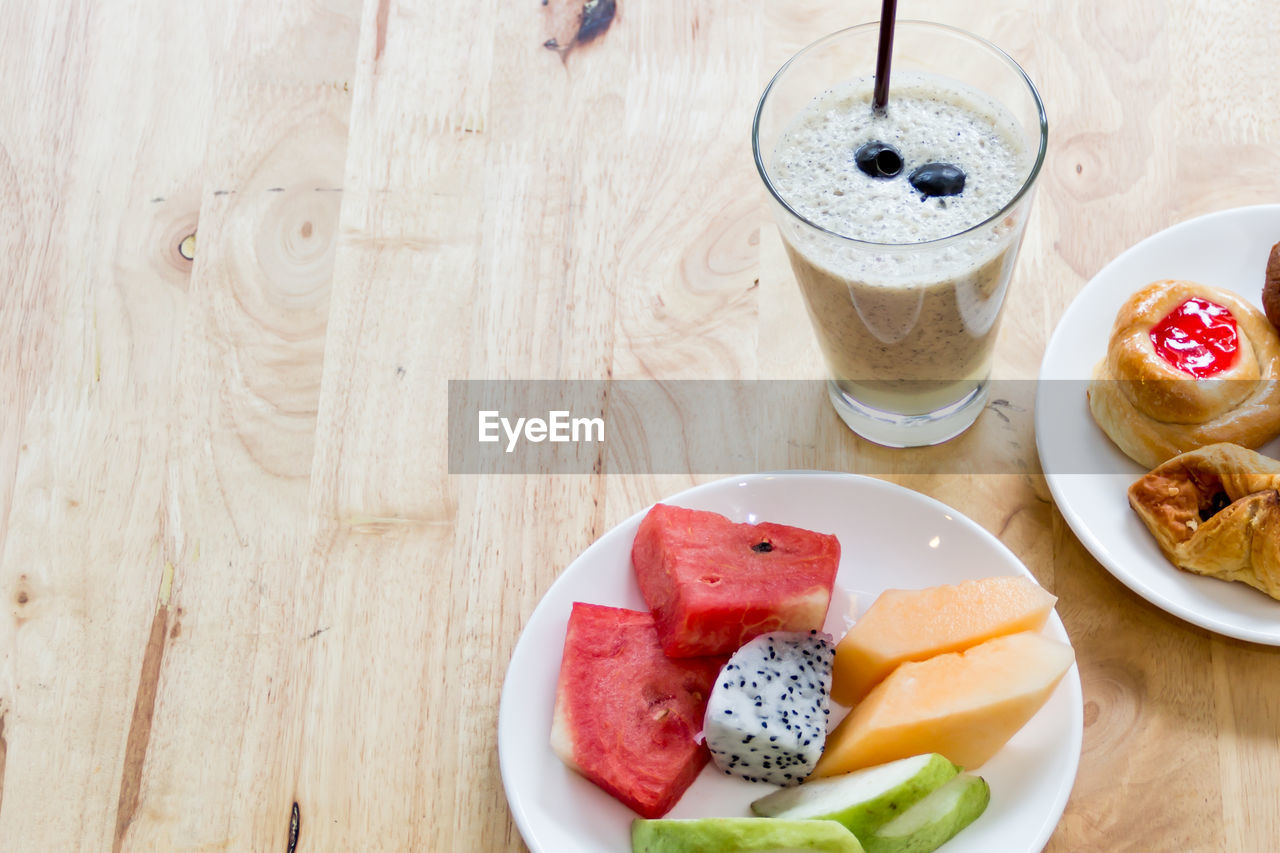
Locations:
(1187, 365)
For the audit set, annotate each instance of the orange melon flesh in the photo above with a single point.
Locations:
(964, 705)
(916, 624)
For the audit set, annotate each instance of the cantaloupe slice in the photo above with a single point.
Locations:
(964, 705)
(916, 624)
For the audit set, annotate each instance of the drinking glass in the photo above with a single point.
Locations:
(906, 329)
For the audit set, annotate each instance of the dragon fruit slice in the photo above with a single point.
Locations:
(766, 719)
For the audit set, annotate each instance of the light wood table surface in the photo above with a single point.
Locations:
(241, 589)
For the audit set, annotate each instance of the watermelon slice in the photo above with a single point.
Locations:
(713, 584)
(626, 714)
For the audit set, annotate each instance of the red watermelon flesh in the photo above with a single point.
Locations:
(713, 584)
(626, 715)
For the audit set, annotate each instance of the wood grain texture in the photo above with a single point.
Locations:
(237, 577)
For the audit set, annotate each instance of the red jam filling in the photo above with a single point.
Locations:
(1198, 337)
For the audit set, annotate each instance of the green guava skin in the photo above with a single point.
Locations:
(741, 835)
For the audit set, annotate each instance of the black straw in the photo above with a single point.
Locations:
(888, 16)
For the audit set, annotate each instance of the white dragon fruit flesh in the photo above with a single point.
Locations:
(767, 715)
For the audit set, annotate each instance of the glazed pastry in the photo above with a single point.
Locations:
(1271, 287)
(1187, 365)
(1215, 511)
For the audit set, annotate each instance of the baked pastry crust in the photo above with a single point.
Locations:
(1216, 511)
(1271, 287)
(1154, 411)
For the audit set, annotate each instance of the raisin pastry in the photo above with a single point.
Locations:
(1187, 365)
(1216, 511)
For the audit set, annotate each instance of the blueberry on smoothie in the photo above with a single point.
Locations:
(938, 179)
(878, 160)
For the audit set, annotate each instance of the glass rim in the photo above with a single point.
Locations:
(980, 41)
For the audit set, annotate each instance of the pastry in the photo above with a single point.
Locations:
(1216, 511)
(1271, 287)
(1187, 365)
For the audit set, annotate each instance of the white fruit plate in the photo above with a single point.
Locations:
(889, 537)
(1088, 475)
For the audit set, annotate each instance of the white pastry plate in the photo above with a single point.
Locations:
(1088, 475)
(889, 537)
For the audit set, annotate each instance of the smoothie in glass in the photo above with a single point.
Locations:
(900, 330)
(903, 224)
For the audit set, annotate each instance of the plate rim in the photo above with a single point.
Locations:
(1096, 547)
(1071, 680)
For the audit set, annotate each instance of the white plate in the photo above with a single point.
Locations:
(1088, 475)
(889, 537)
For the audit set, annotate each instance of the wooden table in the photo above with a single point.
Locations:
(244, 596)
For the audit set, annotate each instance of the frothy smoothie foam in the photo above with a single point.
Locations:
(904, 330)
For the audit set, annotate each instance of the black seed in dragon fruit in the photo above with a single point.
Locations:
(766, 720)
